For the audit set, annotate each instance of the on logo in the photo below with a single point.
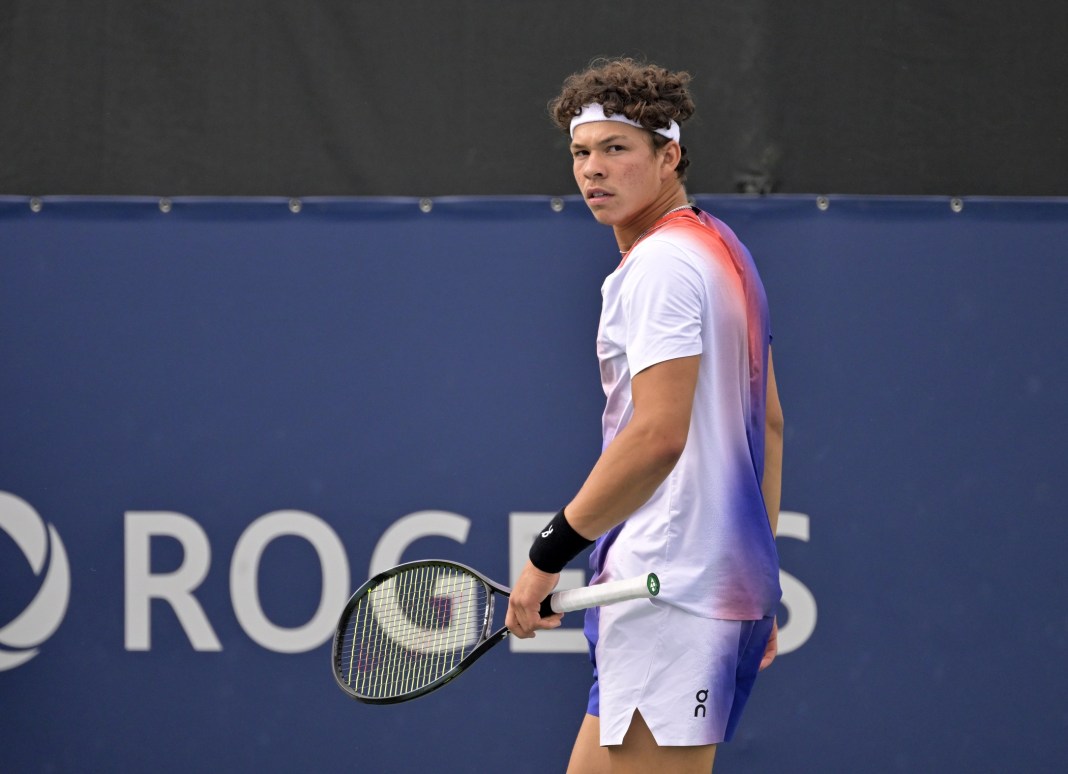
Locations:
(19, 638)
(702, 697)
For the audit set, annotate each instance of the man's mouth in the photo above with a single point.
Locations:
(597, 194)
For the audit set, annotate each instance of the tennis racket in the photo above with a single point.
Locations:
(413, 628)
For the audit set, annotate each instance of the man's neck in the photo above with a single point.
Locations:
(673, 198)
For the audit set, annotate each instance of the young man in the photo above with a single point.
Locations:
(688, 481)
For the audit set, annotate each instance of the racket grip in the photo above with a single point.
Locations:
(640, 587)
(547, 607)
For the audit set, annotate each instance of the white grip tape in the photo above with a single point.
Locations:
(641, 587)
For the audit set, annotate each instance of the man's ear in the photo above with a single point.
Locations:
(672, 155)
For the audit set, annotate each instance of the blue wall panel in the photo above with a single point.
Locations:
(362, 360)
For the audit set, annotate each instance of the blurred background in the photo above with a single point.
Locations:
(250, 98)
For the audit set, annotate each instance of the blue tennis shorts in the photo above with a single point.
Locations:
(690, 677)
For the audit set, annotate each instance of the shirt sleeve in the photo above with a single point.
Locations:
(663, 298)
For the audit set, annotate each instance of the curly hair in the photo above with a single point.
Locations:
(643, 92)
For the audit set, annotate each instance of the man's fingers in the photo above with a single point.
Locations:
(772, 648)
(524, 604)
(516, 623)
(552, 622)
(524, 623)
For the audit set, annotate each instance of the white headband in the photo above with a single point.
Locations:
(595, 112)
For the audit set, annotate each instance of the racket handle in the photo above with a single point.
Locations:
(641, 587)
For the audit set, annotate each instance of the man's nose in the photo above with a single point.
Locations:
(593, 168)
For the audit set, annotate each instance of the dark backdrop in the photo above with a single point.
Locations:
(335, 97)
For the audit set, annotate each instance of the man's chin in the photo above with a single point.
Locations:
(601, 214)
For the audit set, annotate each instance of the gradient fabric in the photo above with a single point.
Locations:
(689, 287)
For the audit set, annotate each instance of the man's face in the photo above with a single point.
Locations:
(617, 170)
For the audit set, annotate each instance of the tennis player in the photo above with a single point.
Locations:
(688, 481)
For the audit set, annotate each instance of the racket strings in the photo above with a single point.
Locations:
(411, 630)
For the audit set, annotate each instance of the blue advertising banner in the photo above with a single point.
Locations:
(218, 417)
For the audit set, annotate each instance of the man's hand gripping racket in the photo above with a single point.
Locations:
(413, 628)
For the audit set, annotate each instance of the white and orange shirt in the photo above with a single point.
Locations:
(689, 287)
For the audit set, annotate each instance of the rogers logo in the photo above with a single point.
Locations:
(19, 638)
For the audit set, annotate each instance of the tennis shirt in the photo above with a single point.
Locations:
(690, 287)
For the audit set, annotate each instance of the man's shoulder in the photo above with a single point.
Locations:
(683, 241)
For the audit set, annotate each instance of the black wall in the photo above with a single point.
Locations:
(336, 97)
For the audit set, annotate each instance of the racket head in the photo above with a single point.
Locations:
(411, 629)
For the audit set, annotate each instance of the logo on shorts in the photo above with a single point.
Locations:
(702, 697)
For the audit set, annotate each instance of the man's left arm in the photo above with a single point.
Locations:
(772, 483)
